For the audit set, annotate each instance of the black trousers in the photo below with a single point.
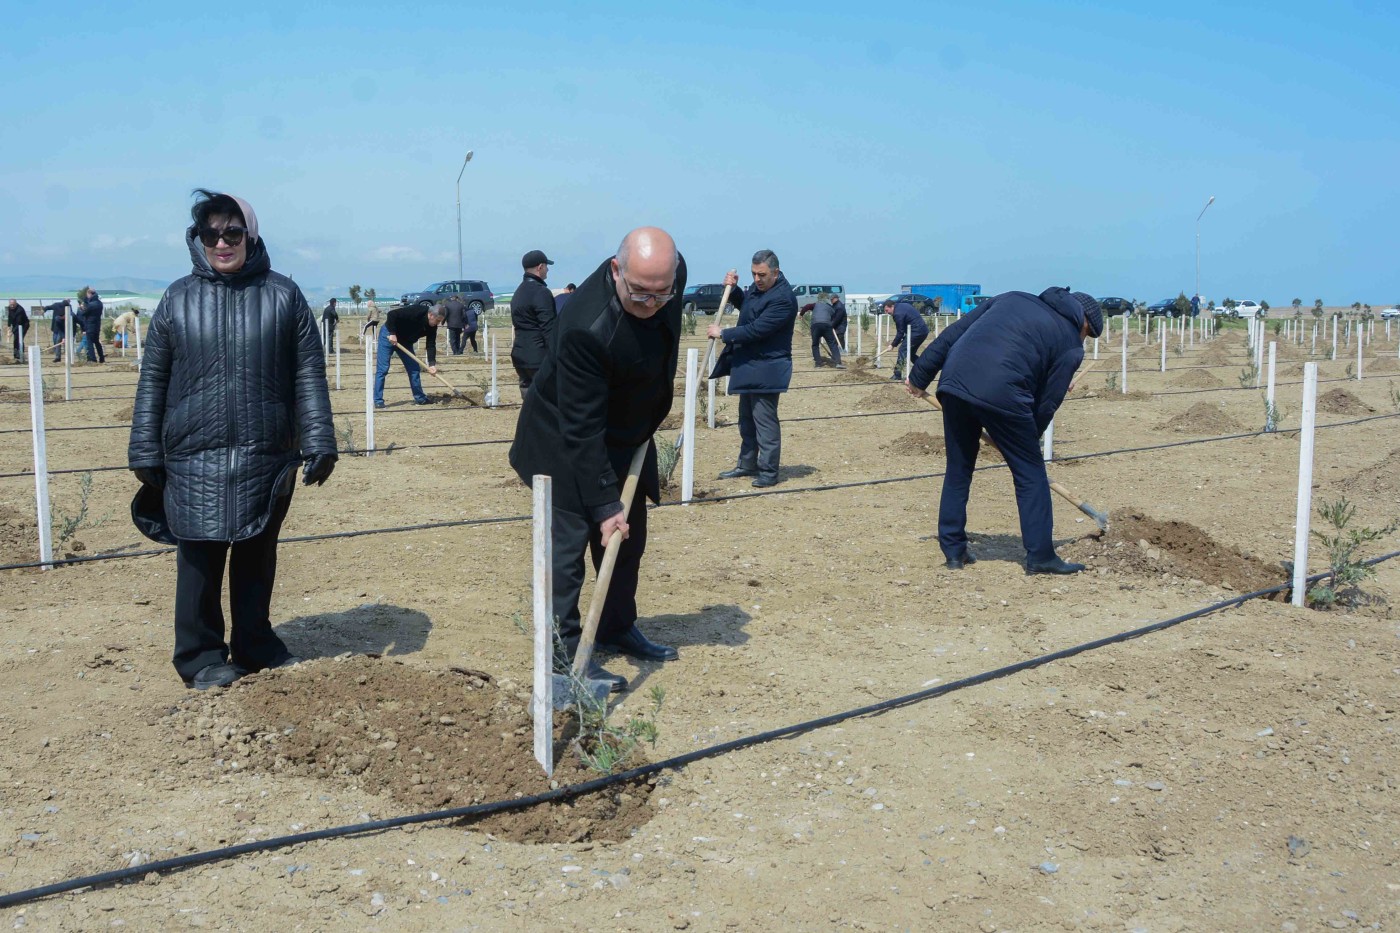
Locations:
(19, 342)
(94, 342)
(899, 360)
(825, 332)
(573, 533)
(470, 334)
(199, 614)
(760, 434)
(1018, 441)
(454, 340)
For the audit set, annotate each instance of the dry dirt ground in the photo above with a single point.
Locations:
(1234, 772)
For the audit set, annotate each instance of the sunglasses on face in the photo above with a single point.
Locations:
(211, 236)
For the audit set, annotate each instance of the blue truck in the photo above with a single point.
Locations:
(955, 297)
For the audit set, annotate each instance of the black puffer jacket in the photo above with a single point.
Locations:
(232, 396)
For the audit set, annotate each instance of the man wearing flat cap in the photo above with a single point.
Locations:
(1008, 378)
(532, 315)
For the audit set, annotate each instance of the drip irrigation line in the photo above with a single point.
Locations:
(797, 490)
(674, 763)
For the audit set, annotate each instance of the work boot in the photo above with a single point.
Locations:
(960, 561)
(1056, 565)
(215, 675)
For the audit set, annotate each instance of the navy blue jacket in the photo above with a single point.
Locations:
(757, 354)
(906, 317)
(838, 319)
(1016, 355)
(90, 315)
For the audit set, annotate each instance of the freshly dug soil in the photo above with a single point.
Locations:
(1381, 481)
(1342, 402)
(1202, 418)
(1138, 544)
(19, 535)
(915, 444)
(124, 414)
(430, 740)
(1132, 395)
(1197, 379)
(1386, 364)
(470, 398)
(892, 398)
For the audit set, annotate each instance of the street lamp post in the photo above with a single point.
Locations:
(1198, 241)
(459, 216)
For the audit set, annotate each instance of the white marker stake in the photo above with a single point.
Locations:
(41, 458)
(494, 398)
(1123, 383)
(710, 411)
(1162, 339)
(1313, 351)
(1303, 516)
(136, 326)
(908, 351)
(879, 337)
(1359, 344)
(68, 355)
(692, 384)
(1269, 392)
(1096, 348)
(542, 698)
(1049, 440)
(860, 331)
(337, 358)
(369, 394)
(1334, 337)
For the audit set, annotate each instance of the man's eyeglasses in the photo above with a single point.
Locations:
(643, 298)
(210, 237)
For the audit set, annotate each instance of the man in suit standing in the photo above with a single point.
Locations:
(602, 390)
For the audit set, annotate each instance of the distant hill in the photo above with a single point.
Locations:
(66, 285)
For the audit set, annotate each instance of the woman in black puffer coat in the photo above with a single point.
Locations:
(232, 398)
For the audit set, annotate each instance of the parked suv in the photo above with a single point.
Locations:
(1112, 306)
(922, 303)
(475, 293)
(702, 299)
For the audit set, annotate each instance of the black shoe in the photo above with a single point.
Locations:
(422, 401)
(763, 482)
(961, 561)
(616, 682)
(896, 377)
(1057, 565)
(290, 660)
(215, 675)
(736, 473)
(378, 404)
(634, 644)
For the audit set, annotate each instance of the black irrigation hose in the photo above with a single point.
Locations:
(797, 490)
(673, 763)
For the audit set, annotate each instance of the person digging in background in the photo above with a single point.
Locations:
(472, 318)
(532, 314)
(17, 320)
(604, 388)
(824, 329)
(330, 320)
(838, 319)
(90, 316)
(124, 324)
(232, 398)
(907, 323)
(59, 309)
(1008, 377)
(403, 326)
(757, 358)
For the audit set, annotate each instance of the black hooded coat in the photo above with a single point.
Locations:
(232, 397)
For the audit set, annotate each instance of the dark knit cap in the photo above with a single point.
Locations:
(1092, 312)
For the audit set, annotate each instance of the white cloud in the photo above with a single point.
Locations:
(310, 255)
(106, 241)
(396, 254)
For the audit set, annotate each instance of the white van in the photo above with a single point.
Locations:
(807, 294)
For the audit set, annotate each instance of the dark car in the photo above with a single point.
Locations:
(922, 303)
(701, 299)
(1112, 306)
(1164, 308)
(475, 293)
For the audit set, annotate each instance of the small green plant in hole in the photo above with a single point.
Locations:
(1110, 382)
(1249, 376)
(66, 526)
(668, 454)
(1345, 568)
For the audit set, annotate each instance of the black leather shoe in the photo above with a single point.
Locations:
(1057, 565)
(736, 473)
(763, 482)
(634, 644)
(961, 561)
(215, 675)
(616, 682)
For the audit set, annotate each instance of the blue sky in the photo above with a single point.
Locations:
(1015, 145)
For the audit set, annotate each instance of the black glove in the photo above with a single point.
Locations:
(151, 476)
(318, 469)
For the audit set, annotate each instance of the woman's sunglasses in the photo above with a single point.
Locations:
(230, 235)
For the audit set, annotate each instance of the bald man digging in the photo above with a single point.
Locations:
(604, 387)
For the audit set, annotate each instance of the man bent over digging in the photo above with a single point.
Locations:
(603, 389)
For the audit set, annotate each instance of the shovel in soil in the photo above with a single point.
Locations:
(1100, 518)
(457, 393)
(567, 687)
(710, 358)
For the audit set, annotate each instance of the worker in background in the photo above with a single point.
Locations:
(17, 320)
(404, 327)
(532, 314)
(823, 330)
(908, 323)
(1007, 377)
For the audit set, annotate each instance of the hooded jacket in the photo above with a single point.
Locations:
(757, 353)
(232, 396)
(1016, 354)
(605, 387)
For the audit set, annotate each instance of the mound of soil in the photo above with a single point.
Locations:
(19, 535)
(1202, 418)
(1197, 379)
(1342, 402)
(470, 398)
(124, 414)
(1138, 544)
(672, 493)
(915, 444)
(427, 739)
(1132, 395)
(1382, 480)
(891, 398)
(1386, 364)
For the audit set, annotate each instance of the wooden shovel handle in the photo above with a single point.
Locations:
(605, 570)
(710, 351)
(412, 356)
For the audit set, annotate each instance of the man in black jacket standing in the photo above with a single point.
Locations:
(330, 322)
(455, 311)
(18, 322)
(602, 390)
(757, 358)
(91, 318)
(1008, 377)
(532, 315)
(59, 309)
